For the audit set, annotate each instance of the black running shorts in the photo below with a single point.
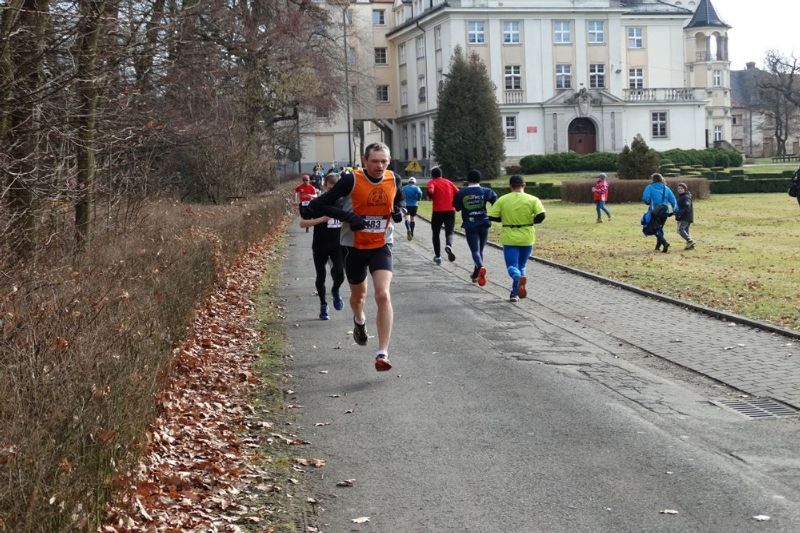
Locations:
(412, 210)
(358, 262)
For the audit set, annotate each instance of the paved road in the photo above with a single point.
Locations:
(548, 415)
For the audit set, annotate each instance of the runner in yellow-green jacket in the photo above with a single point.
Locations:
(517, 211)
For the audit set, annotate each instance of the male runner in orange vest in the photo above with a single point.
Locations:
(371, 198)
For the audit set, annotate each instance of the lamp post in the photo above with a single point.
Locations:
(347, 87)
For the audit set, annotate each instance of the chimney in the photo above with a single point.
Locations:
(750, 65)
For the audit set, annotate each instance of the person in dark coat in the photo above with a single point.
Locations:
(684, 214)
(794, 188)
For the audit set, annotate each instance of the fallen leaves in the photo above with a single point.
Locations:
(200, 471)
(346, 483)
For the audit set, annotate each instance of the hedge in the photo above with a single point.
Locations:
(628, 191)
(738, 184)
(543, 191)
(607, 161)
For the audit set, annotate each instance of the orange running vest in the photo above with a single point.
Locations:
(374, 203)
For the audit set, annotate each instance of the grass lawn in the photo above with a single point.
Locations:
(747, 259)
(769, 167)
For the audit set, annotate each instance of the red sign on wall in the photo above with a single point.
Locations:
(532, 129)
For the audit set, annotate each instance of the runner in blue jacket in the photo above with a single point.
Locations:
(471, 201)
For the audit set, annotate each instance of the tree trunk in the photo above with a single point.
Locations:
(22, 55)
(87, 94)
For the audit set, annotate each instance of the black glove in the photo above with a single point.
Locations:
(356, 222)
(398, 214)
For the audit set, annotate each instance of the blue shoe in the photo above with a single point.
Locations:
(323, 312)
(437, 260)
(338, 303)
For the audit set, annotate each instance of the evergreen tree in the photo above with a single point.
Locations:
(637, 162)
(468, 132)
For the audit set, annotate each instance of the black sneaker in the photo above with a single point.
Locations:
(382, 363)
(474, 275)
(666, 247)
(450, 255)
(513, 297)
(409, 235)
(338, 303)
(360, 333)
(323, 312)
(658, 247)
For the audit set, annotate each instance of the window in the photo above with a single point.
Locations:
(561, 32)
(476, 33)
(513, 77)
(635, 37)
(636, 78)
(563, 76)
(421, 87)
(511, 32)
(423, 139)
(401, 54)
(403, 92)
(349, 17)
(437, 37)
(380, 56)
(382, 93)
(414, 141)
(659, 123)
(405, 142)
(597, 34)
(510, 126)
(717, 133)
(716, 79)
(420, 47)
(597, 76)
(439, 80)
(351, 55)
(378, 17)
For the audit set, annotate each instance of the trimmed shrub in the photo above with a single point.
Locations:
(629, 191)
(568, 162)
(739, 185)
(637, 161)
(543, 191)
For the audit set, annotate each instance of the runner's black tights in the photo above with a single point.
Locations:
(337, 270)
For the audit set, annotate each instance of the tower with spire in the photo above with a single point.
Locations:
(708, 66)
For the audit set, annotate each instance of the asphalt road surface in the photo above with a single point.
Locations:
(501, 417)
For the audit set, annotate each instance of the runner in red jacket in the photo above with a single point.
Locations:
(441, 190)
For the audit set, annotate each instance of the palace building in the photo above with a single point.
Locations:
(570, 75)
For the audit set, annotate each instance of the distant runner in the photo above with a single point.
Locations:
(371, 199)
(304, 192)
(441, 191)
(325, 246)
(518, 212)
(471, 201)
(412, 194)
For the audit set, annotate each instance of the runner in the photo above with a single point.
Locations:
(325, 246)
(304, 192)
(368, 199)
(518, 212)
(471, 201)
(441, 191)
(412, 194)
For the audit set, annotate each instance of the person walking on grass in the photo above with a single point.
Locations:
(441, 191)
(370, 200)
(471, 201)
(413, 195)
(325, 247)
(794, 186)
(659, 199)
(600, 194)
(684, 214)
(517, 211)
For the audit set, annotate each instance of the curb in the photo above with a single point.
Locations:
(716, 313)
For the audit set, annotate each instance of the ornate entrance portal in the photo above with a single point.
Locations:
(582, 136)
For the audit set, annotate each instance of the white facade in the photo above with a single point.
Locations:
(583, 76)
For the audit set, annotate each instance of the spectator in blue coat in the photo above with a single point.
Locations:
(471, 201)
(413, 195)
(661, 204)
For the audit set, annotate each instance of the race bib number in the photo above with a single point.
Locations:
(305, 202)
(374, 224)
(334, 223)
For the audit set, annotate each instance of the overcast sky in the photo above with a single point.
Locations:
(758, 26)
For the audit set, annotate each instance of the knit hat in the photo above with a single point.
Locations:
(474, 176)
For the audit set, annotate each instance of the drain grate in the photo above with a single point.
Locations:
(758, 408)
